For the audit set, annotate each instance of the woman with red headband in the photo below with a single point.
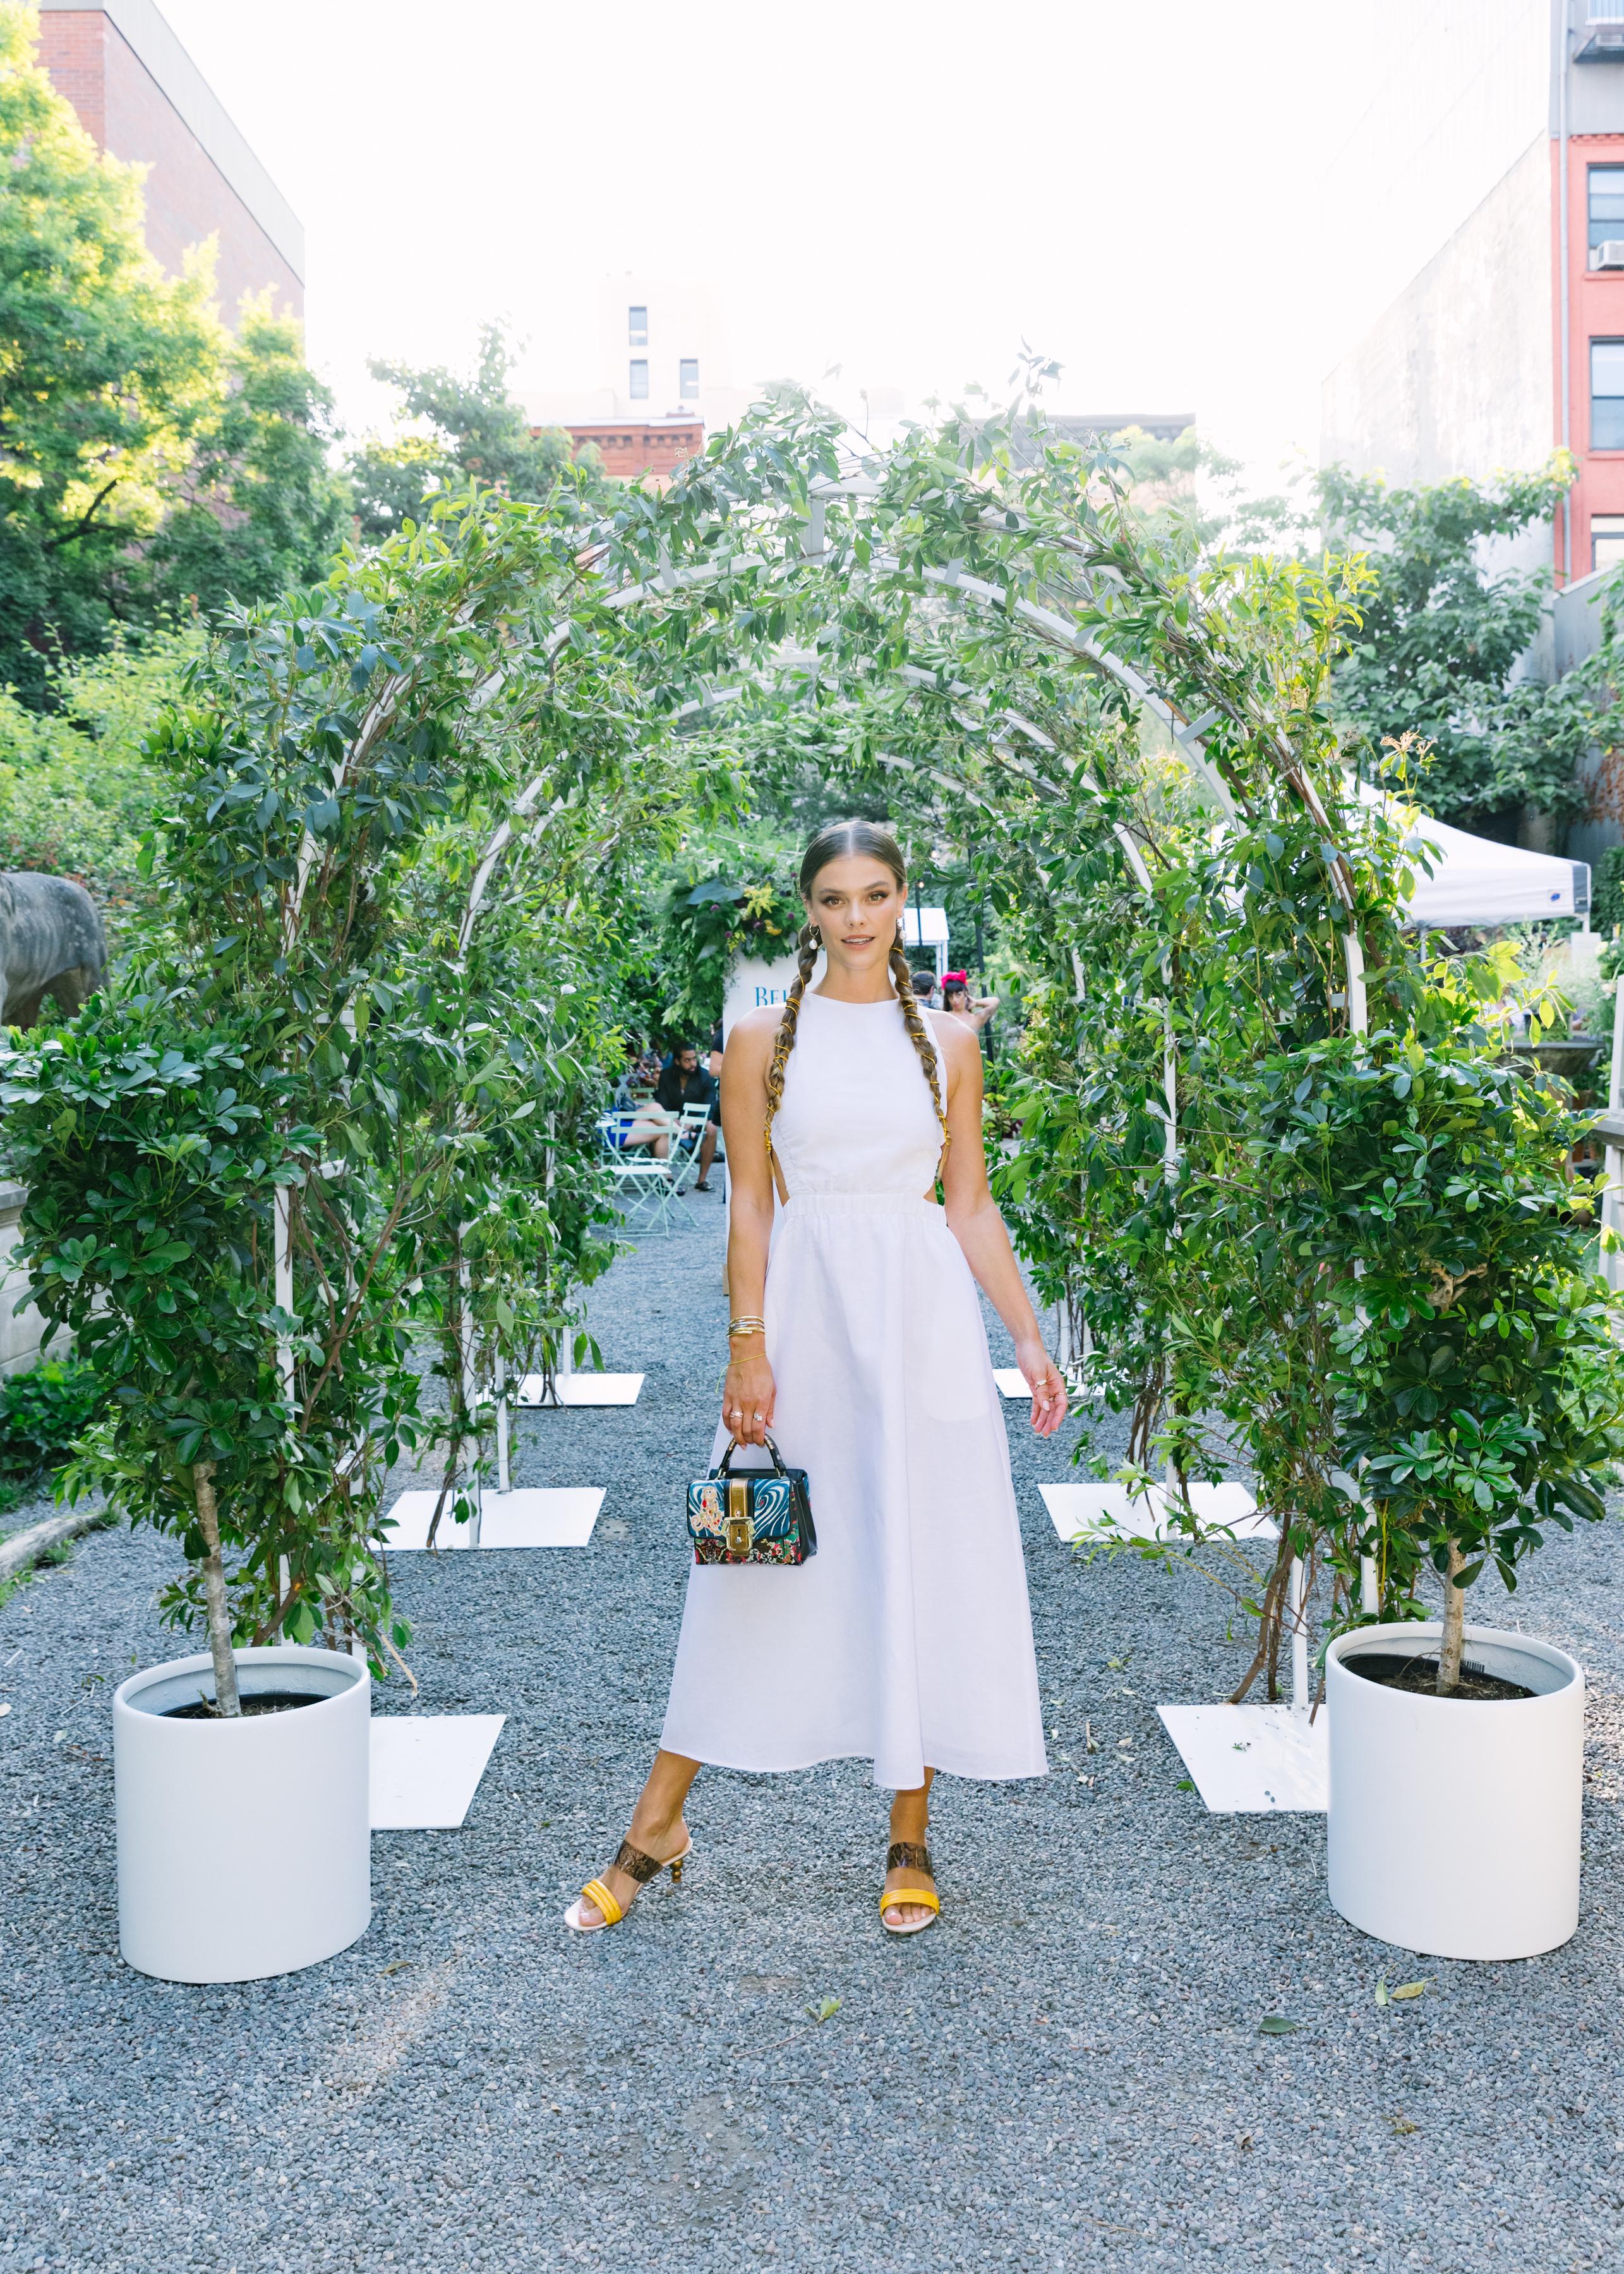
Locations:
(959, 1003)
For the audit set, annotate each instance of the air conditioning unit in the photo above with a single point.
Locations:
(1608, 254)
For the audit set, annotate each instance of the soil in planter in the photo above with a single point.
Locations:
(1420, 1676)
(263, 1701)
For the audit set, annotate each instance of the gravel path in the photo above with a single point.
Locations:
(1067, 2074)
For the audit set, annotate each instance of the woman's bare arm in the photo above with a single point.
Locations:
(748, 1392)
(974, 1220)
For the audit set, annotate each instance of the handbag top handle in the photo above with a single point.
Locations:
(724, 1467)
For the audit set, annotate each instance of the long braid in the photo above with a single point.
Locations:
(918, 1032)
(783, 1041)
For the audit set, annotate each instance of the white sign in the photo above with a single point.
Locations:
(757, 986)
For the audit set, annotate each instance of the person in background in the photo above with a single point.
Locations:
(631, 1089)
(959, 1003)
(634, 1096)
(925, 991)
(714, 1134)
(686, 1082)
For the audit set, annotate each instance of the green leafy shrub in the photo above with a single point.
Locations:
(1607, 890)
(78, 790)
(45, 1411)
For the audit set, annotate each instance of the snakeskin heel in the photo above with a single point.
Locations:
(636, 1866)
(909, 1856)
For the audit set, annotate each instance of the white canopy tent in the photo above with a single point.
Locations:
(1475, 881)
(926, 928)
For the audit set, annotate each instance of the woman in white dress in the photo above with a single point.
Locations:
(857, 1340)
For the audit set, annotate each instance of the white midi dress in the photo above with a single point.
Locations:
(906, 1640)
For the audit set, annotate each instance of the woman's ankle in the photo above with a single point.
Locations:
(646, 1825)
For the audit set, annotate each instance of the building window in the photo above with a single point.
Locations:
(1606, 204)
(637, 318)
(1606, 540)
(689, 379)
(639, 390)
(1607, 394)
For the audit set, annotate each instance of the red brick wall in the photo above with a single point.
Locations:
(628, 448)
(187, 197)
(71, 49)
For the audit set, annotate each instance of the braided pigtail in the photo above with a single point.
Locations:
(783, 1041)
(919, 1035)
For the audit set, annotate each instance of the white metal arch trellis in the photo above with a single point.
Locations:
(1187, 733)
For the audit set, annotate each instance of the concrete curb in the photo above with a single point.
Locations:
(27, 1548)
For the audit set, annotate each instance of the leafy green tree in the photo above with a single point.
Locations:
(110, 369)
(150, 463)
(1442, 637)
(465, 430)
(259, 508)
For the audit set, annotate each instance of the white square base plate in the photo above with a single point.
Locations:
(584, 1389)
(1249, 1759)
(1011, 1381)
(427, 1767)
(534, 1517)
(406, 1523)
(1096, 1512)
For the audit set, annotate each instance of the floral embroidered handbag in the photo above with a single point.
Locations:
(761, 1516)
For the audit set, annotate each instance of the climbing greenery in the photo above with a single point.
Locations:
(324, 1115)
(1267, 1154)
(731, 899)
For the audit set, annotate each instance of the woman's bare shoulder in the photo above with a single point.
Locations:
(954, 1040)
(751, 1036)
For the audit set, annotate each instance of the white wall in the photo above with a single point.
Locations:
(22, 1343)
(1455, 376)
(683, 320)
(1458, 89)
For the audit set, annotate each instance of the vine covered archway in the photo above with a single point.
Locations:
(402, 804)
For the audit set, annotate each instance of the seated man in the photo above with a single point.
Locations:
(686, 1082)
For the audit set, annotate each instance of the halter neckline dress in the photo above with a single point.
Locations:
(907, 1639)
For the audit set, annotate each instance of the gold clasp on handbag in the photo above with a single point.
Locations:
(740, 1530)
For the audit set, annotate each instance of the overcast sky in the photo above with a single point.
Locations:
(1137, 187)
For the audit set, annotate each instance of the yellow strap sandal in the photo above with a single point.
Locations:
(907, 1855)
(636, 1866)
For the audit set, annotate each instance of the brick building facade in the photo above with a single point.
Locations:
(142, 99)
(631, 449)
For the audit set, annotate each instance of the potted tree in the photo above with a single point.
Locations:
(234, 1159)
(155, 1160)
(1481, 1404)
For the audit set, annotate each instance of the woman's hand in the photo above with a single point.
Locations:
(1046, 1383)
(748, 1396)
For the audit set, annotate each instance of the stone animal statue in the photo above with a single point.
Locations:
(51, 942)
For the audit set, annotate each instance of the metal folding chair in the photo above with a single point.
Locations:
(645, 1189)
(685, 1144)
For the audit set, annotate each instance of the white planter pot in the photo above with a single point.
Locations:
(1454, 1824)
(243, 1846)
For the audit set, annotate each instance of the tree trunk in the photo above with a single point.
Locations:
(226, 1700)
(1454, 1627)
